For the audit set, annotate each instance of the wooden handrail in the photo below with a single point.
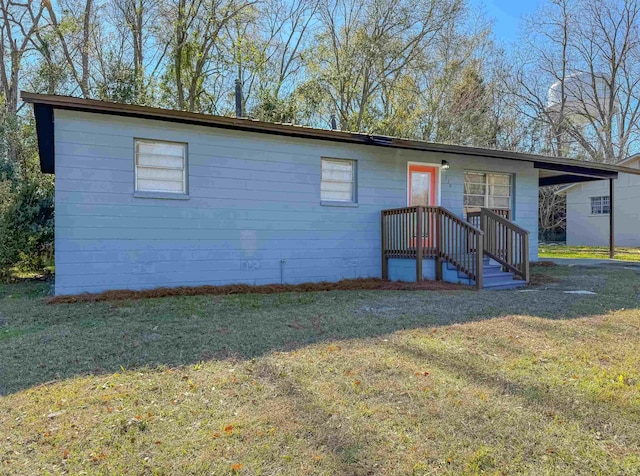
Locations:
(432, 232)
(474, 217)
(506, 242)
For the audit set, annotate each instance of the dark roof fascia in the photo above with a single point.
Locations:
(45, 134)
(249, 125)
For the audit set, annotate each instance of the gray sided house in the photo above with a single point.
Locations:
(589, 206)
(147, 197)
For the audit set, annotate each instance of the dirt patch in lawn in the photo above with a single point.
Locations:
(544, 264)
(540, 279)
(364, 284)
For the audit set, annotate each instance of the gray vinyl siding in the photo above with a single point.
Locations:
(254, 201)
(585, 229)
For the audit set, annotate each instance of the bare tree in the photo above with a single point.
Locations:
(197, 28)
(75, 41)
(134, 19)
(20, 22)
(590, 50)
(363, 44)
(18, 25)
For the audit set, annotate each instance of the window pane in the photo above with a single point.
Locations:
(160, 148)
(159, 174)
(336, 187)
(474, 177)
(332, 170)
(420, 189)
(600, 205)
(160, 166)
(337, 196)
(336, 191)
(500, 190)
(474, 201)
(337, 180)
(499, 202)
(499, 179)
(474, 189)
(492, 190)
(159, 186)
(161, 161)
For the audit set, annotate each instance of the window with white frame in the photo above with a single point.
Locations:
(338, 180)
(161, 166)
(487, 190)
(600, 205)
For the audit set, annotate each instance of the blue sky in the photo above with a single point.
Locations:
(506, 15)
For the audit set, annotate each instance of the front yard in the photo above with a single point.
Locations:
(593, 252)
(341, 382)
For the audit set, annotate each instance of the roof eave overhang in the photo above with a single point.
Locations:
(571, 173)
(47, 103)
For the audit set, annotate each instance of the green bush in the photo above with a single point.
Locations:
(26, 226)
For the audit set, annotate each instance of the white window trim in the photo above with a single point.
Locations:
(486, 173)
(184, 194)
(354, 184)
(602, 212)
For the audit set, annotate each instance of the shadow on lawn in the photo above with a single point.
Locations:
(40, 342)
(545, 398)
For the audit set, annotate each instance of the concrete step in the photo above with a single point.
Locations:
(504, 284)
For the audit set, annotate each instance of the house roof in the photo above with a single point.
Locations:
(553, 170)
(623, 163)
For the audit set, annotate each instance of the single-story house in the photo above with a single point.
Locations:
(589, 206)
(148, 197)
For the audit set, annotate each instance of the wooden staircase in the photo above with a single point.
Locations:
(493, 276)
(420, 233)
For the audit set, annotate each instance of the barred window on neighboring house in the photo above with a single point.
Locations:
(161, 166)
(600, 205)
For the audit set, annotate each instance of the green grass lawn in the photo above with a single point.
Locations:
(598, 252)
(341, 382)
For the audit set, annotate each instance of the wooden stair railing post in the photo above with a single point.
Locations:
(383, 240)
(438, 241)
(479, 259)
(525, 257)
(419, 242)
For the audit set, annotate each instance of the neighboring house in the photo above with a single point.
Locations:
(588, 208)
(147, 197)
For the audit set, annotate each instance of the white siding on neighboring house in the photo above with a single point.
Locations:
(251, 213)
(585, 228)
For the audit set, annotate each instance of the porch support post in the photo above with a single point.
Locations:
(611, 221)
(419, 234)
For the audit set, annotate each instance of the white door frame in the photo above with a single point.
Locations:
(438, 168)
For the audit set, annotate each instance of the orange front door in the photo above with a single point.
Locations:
(422, 184)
